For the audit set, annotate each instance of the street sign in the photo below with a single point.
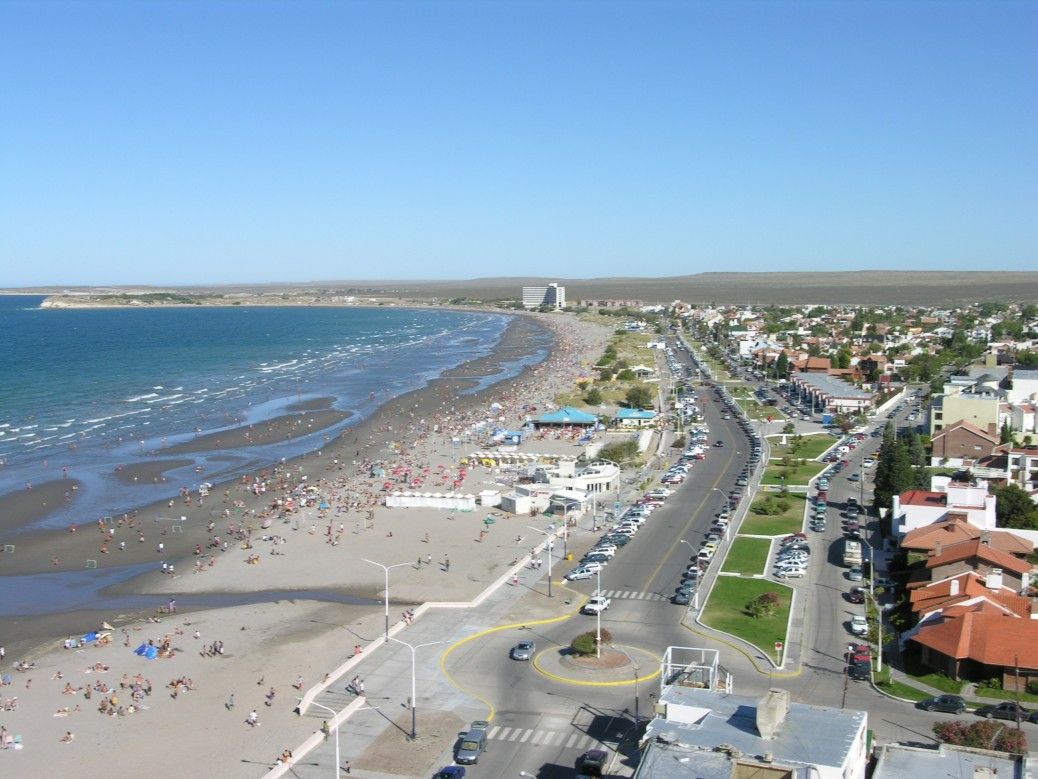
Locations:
(778, 646)
(618, 505)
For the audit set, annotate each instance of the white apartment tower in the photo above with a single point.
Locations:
(553, 296)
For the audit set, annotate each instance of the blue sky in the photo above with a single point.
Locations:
(194, 142)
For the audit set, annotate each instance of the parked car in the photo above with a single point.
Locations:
(856, 595)
(952, 704)
(591, 764)
(791, 573)
(860, 671)
(859, 625)
(682, 597)
(524, 650)
(1008, 710)
(855, 574)
(580, 572)
(596, 605)
(451, 772)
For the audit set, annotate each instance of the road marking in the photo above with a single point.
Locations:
(572, 740)
(536, 737)
(526, 735)
(559, 738)
(632, 595)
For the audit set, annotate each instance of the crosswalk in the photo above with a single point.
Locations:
(554, 738)
(631, 595)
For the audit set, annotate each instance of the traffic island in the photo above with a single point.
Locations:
(616, 665)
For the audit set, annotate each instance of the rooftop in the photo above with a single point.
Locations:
(966, 550)
(895, 761)
(832, 386)
(984, 633)
(813, 735)
(955, 530)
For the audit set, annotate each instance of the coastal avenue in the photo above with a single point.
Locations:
(541, 725)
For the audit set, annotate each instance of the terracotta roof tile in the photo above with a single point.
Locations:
(923, 498)
(955, 529)
(967, 550)
(984, 636)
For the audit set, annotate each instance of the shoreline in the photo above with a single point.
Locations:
(290, 621)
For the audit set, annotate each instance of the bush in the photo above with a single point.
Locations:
(770, 506)
(626, 375)
(765, 605)
(679, 442)
(981, 735)
(621, 452)
(585, 643)
(605, 374)
(593, 397)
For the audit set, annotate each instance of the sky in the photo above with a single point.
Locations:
(195, 142)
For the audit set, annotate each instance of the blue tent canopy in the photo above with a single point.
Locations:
(567, 415)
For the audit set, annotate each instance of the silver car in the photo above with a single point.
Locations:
(524, 650)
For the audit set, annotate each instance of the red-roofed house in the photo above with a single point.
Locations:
(999, 567)
(954, 529)
(981, 641)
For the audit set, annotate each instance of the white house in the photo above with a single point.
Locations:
(946, 499)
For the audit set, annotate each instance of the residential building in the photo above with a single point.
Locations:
(724, 735)
(552, 296)
(945, 500)
(1002, 568)
(896, 761)
(954, 530)
(962, 443)
(978, 403)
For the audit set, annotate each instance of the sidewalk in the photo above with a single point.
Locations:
(375, 729)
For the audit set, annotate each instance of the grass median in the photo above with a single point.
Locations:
(792, 475)
(747, 556)
(806, 447)
(788, 520)
(726, 610)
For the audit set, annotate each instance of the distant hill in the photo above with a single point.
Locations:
(880, 287)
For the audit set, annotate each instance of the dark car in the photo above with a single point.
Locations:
(952, 704)
(1009, 710)
(860, 671)
(682, 598)
(591, 764)
(451, 772)
(856, 595)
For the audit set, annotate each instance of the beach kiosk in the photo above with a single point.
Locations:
(567, 416)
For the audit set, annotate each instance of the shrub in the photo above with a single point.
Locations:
(770, 506)
(981, 735)
(593, 397)
(765, 605)
(620, 452)
(585, 643)
(679, 442)
(626, 375)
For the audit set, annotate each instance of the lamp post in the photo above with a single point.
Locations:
(548, 545)
(879, 627)
(332, 712)
(414, 693)
(598, 617)
(386, 569)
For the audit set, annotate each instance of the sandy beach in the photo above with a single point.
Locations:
(323, 516)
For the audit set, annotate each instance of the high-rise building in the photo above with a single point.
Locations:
(553, 296)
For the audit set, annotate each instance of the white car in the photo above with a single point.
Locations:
(596, 605)
(608, 551)
(582, 572)
(868, 462)
(791, 573)
(859, 625)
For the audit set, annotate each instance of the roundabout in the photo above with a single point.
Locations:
(618, 666)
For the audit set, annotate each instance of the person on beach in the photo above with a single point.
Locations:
(252, 719)
(230, 702)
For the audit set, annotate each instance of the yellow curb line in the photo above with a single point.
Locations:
(621, 683)
(461, 642)
(743, 652)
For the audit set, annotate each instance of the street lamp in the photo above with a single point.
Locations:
(547, 547)
(338, 762)
(386, 569)
(414, 694)
(879, 628)
(598, 617)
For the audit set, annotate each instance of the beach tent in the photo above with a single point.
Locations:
(149, 652)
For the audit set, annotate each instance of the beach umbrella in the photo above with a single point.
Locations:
(324, 505)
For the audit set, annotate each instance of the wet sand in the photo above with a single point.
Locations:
(21, 508)
(148, 473)
(273, 431)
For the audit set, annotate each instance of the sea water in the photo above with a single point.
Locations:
(89, 390)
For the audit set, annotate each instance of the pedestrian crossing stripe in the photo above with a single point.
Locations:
(632, 595)
(564, 739)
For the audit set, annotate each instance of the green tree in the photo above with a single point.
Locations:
(626, 375)
(1005, 435)
(639, 396)
(1014, 508)
(782, 366)
(765, 605)
(788, 428)
(593, 396)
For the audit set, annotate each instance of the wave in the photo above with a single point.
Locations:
(142, 397)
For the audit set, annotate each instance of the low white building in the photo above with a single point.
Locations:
(945, 500)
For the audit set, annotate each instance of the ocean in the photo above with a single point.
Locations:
(89, 390)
